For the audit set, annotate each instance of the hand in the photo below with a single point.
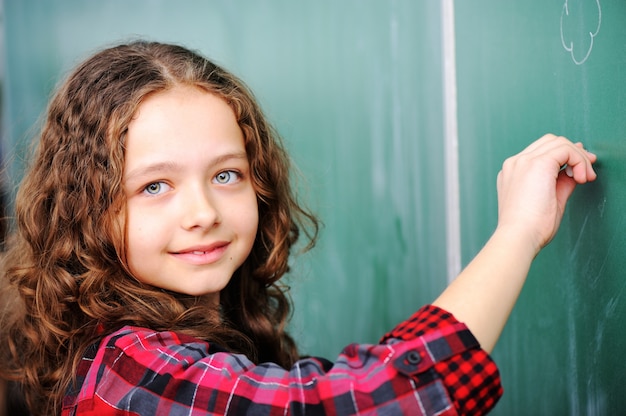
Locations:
(532, 192)
(533, 189)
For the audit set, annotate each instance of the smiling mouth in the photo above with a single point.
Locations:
(203, 256)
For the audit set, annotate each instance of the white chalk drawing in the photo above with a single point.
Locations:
(583, 46)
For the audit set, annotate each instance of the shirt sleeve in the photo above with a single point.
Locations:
(429, 364)
(471, 376)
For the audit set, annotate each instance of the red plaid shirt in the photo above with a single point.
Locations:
(428, 365)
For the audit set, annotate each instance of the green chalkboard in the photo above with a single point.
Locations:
(526, 68)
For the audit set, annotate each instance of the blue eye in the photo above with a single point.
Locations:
(226, 177)
(155, 188)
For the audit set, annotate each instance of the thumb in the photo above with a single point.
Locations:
(565, 186)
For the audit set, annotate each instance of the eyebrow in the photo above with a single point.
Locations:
(168, 166)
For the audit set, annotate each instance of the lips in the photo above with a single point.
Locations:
(202, 255)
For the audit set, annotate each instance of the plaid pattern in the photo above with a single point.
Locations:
(428, 365)
(471, 377)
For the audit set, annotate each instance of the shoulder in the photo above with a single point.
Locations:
(138, 339)
(132, 335)
(168, 350)
(142, 369)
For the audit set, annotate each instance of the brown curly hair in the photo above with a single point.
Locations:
(65, 275)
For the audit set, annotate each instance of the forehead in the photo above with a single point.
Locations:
(182, 123)
(178, 95)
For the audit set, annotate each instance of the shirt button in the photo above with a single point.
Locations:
(413, 357)
(407, 363)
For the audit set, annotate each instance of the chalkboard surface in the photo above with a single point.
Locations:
(526, 68)
(357, 91)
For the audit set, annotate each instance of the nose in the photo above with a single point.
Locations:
(199, 210)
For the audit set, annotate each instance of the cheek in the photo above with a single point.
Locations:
(248, 219)
(137, 237)
(254, 216)
(139, 254)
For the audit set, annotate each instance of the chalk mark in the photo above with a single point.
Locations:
(592, 35)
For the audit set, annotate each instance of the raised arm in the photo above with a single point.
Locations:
(533, 189)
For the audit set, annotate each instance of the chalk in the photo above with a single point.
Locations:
(568, 170)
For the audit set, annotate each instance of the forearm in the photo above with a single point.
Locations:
(484, 294)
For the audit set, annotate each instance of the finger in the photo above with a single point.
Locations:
(590, 155)
(550, 141)
(572, 158)
(585, 171)
(564, 189)
(546, 138)
(550, 147)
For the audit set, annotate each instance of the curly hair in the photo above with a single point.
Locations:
(65, 270)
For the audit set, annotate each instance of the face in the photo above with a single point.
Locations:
(192, 211)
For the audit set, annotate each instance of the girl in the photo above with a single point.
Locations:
(153, 228)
